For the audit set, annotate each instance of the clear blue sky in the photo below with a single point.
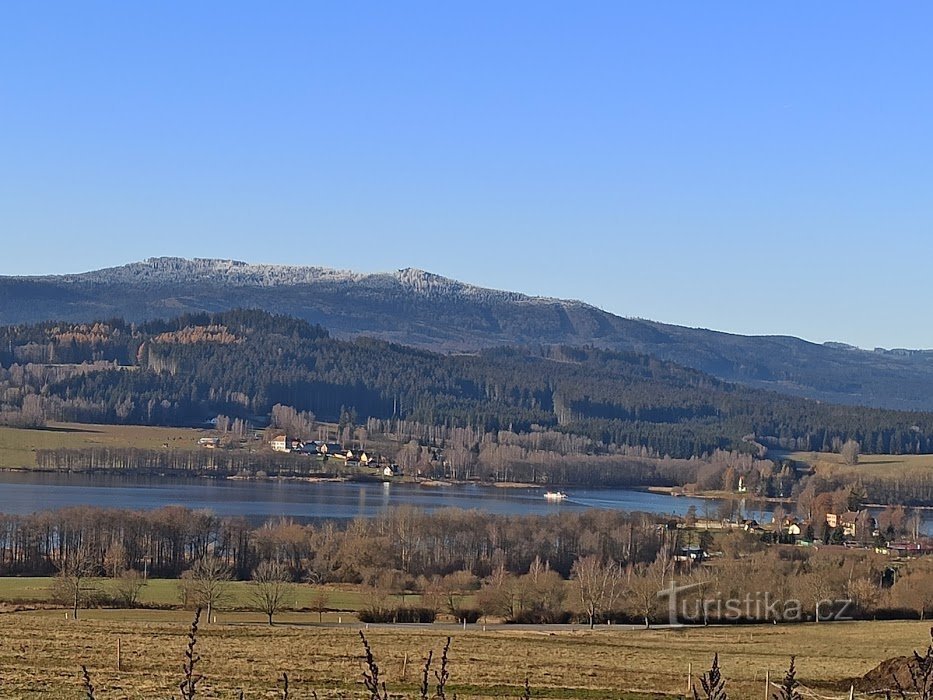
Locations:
(745, 166)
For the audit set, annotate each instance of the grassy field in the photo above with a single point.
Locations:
(41, 653)
(165, 592)
(875, 465)
(18, 445)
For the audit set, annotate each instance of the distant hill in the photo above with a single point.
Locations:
(417, 308)
(243, 362)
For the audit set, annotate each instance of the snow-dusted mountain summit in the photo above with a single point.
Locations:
(168, 271)
(419, 308)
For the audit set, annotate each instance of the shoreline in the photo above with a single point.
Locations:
(678, 492)
(669, 491)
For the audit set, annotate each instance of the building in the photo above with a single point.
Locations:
(697, 554)
(852, 522)
(280, 443)
(332, 449)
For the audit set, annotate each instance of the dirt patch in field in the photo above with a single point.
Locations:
(886, 675)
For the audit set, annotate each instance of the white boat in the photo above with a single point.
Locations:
(555, 495)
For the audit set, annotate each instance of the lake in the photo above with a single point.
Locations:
(27, 492)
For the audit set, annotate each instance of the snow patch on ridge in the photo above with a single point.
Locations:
(166, 271)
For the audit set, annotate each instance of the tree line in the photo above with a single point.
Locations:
(595, 565)
(168, 541)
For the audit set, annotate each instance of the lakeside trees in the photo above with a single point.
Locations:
(170, 541)
(595, 565)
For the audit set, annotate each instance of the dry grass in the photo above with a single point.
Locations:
(165, 592)
(41, 653)
(874, 465)
(18, 445)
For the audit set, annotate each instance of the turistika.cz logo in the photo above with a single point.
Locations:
(686, 607)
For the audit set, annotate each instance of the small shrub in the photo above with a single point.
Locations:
(712, 683)
(537, 617)
(397, 615)
(471, 615)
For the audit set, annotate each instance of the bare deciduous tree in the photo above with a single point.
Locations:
(598, 583)
(71, 582)
(850, 452)
(271, 585)
(644, 584)
(205, 583)
(127, 587)
(320, 599)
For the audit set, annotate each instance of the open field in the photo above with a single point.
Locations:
(18, 445)
(165, 593)
(875, 465)
(41, 654)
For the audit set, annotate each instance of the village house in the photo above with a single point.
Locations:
(280, 443)
(209, 442)
(693, 554)
(852, 522)
(332, 449)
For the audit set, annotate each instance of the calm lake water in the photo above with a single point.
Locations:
(27, 492)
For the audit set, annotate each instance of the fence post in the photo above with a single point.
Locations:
(767, 684)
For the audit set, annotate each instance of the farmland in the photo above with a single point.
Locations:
(18, 445)
(880, 466)
(42, 652)
(164, 593)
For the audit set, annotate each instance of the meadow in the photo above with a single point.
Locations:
(18, 445)
(884, 466)
(164, 593)
(41, 654)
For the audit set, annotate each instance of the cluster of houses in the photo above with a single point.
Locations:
(849, 529)
(850, 524)
(330, 450)
(857, 528)
(283, 443)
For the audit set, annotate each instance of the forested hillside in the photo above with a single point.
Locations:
(241, 363)
(420, 309)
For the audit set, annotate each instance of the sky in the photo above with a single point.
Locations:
(757, 168)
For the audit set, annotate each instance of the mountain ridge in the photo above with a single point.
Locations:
(422, 309)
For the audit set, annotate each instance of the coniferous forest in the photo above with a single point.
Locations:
(241, 363)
